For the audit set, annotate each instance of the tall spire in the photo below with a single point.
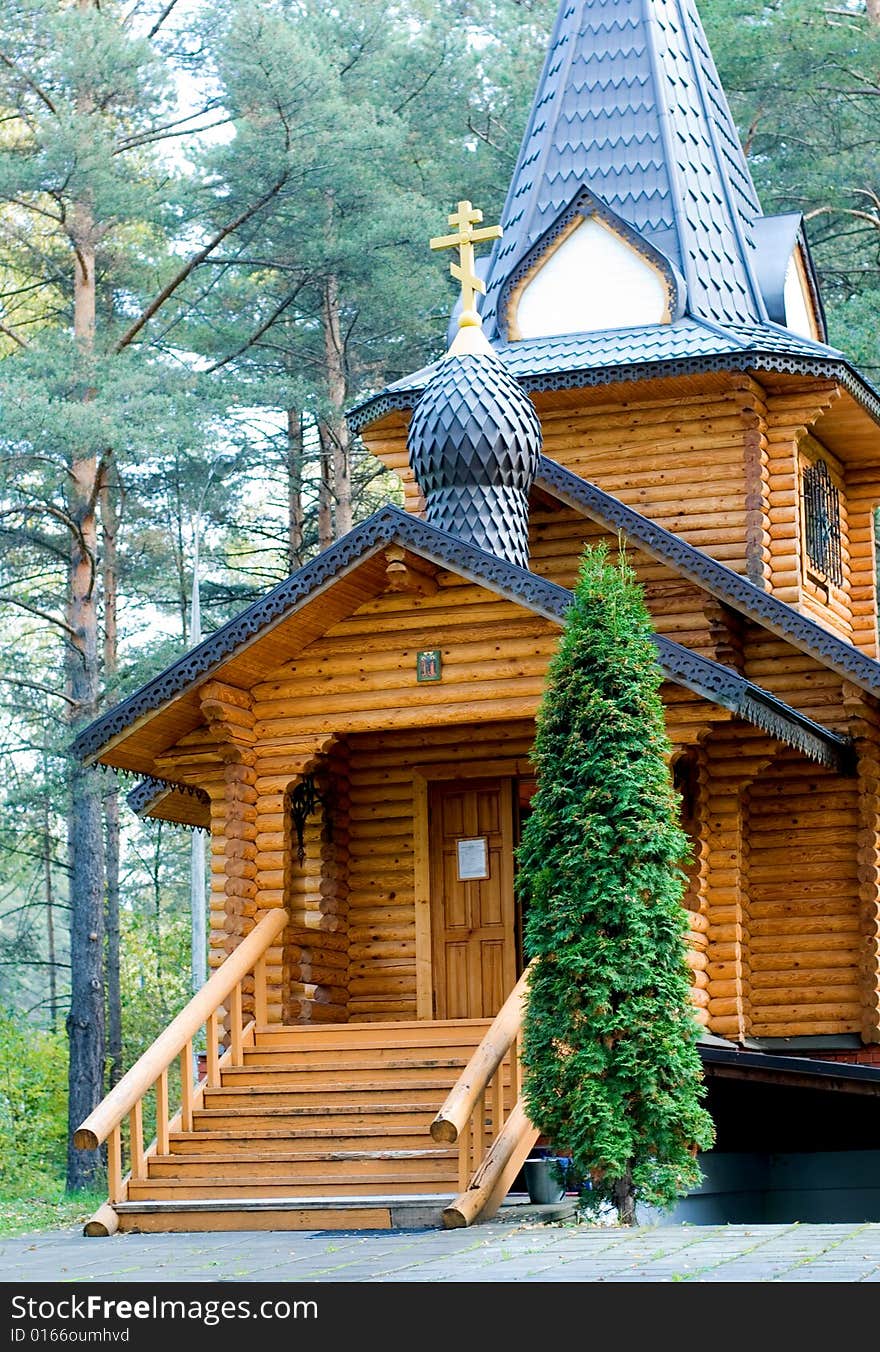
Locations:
(629, 107)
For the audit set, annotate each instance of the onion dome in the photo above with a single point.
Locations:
(474, 443)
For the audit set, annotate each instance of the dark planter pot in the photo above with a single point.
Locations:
(545, 1180)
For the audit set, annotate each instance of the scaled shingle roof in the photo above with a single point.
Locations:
(630, 106)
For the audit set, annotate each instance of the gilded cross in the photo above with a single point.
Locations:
(463, 220)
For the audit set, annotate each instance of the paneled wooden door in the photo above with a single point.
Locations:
(473, 931)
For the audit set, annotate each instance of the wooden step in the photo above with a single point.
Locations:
(390, 1212)
(388, 1135)
(426, 1093)
(416, 1116)
(344, 1078)
(323, 1184)
(300, 1167)
(379, 1059)
(456, 1032)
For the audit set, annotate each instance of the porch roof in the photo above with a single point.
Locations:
(217, 655)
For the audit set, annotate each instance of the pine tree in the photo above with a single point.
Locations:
(611, 1069)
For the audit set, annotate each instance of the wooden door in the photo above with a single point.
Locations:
(472, 916)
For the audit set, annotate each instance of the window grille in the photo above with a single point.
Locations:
(822, 523)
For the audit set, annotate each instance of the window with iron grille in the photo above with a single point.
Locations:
(822, 523)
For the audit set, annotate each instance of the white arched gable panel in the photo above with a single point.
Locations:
(799, 315)
(593, 279)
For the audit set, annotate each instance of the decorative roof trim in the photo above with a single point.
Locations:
(728, 586)
(748, 359)
(585, 204)
(148, 792)
(384, 527)
(722, 685)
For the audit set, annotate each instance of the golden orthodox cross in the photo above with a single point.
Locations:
(463, 220)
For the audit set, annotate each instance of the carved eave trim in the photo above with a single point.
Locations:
(723, 583)
(149, 793)
(746, 360)
(755, 705)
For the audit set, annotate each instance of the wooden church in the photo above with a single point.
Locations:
(649, 368)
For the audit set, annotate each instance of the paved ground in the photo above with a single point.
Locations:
(496, 1251)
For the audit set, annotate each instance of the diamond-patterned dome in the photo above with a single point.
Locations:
(474, 443)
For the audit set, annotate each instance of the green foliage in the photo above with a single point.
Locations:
(33, 1106)
(612, 1074)
(802, 82)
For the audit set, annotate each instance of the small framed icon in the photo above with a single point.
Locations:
(428, 665)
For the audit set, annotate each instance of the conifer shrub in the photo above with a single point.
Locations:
(612, 1075)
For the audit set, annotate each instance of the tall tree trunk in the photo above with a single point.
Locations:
(85, 1021)
(325, 491)
(50, 912)
(295, 515)
(334, 358)
(624, 1196)
(110, 578)
(874, 11)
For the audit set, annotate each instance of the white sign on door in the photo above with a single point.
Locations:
(473, 858)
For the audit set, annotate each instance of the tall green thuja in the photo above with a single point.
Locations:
(611, 1069)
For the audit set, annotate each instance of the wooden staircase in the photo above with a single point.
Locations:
(319, 1128)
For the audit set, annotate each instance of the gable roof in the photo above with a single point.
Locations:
(390, 525)
(725, 584)
(629, 105)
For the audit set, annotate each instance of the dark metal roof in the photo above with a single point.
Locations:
(701, 675)
(629, 105)
(730, 587)
(796, 1070)
(579, 360)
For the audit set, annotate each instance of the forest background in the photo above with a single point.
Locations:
(214, 219)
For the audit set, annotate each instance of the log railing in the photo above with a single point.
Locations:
(150, 1071)
(492, 1145)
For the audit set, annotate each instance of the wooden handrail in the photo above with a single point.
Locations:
(478, 1072)
(491, 1181)
(170, 1043)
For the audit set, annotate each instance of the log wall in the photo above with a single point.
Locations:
(804, 941)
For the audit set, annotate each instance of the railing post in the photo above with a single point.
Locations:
(186, 1088)
(498, 1101)
(162, 1113)
(136, 1138)
(464, 1150)
(261, 1003)
(213, 1052)
(114, 1165)
(236, 1024)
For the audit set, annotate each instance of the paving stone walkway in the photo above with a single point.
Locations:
(496, 1251)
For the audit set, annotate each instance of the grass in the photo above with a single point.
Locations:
(44, 1207)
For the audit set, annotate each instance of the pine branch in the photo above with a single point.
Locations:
(41, 615)
(31, 84)
(161, 19)
(258, 333)
(35, 685)
(197, 258)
